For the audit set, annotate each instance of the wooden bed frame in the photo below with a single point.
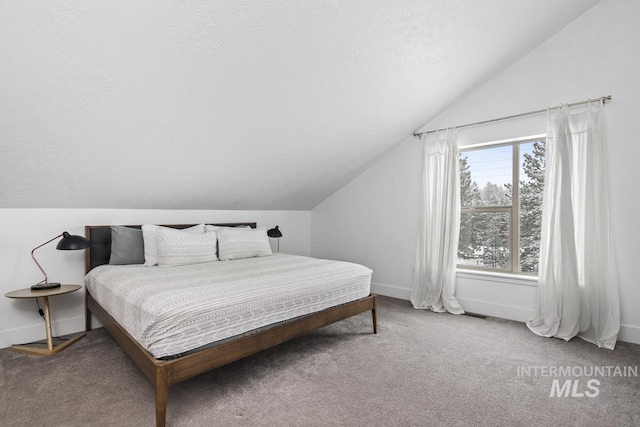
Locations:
(164, 373)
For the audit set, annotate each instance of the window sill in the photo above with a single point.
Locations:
(492, 276)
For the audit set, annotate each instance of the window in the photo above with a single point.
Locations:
(500, 223)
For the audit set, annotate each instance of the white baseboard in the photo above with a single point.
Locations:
(391, 291)
(36, 332)
(502, 311)
(485, 308)
(629, 333)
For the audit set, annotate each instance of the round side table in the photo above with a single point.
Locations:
(45, 294)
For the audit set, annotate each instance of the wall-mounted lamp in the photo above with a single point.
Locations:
(68, 243)
(276, 234)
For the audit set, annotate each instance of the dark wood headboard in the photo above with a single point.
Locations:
(100, 237)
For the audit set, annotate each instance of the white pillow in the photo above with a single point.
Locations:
(209, 228)
(150, 237)
(179, 248)
(242, 243)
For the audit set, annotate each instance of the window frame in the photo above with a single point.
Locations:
(513, 210)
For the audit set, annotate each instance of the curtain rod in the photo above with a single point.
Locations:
(528, 113)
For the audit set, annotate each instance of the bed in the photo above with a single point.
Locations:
(140, 310)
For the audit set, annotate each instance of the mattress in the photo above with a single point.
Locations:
(171, 311)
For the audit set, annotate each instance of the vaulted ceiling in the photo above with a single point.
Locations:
(234, 104)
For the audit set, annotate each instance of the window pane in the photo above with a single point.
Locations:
(484, 240)
(486, 177)
(532, 163)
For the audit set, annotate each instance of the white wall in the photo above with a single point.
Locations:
(21, 230)
(373, 219)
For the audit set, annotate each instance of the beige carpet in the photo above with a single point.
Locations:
(421, 369)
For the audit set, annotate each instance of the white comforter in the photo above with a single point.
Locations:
(173, 310)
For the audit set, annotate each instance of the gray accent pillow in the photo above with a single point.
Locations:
(127, 246)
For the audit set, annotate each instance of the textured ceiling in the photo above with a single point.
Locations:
(234, 104)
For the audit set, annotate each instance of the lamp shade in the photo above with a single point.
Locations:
(274, 232)
(68, 243)
(71, 242)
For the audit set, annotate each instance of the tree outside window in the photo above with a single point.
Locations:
(490, 238)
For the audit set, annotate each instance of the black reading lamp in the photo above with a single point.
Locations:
(68, 243)
(276, 234)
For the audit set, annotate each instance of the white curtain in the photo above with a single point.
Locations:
(578, 289)
(436, 255)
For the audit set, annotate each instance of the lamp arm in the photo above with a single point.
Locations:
(46, 280)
